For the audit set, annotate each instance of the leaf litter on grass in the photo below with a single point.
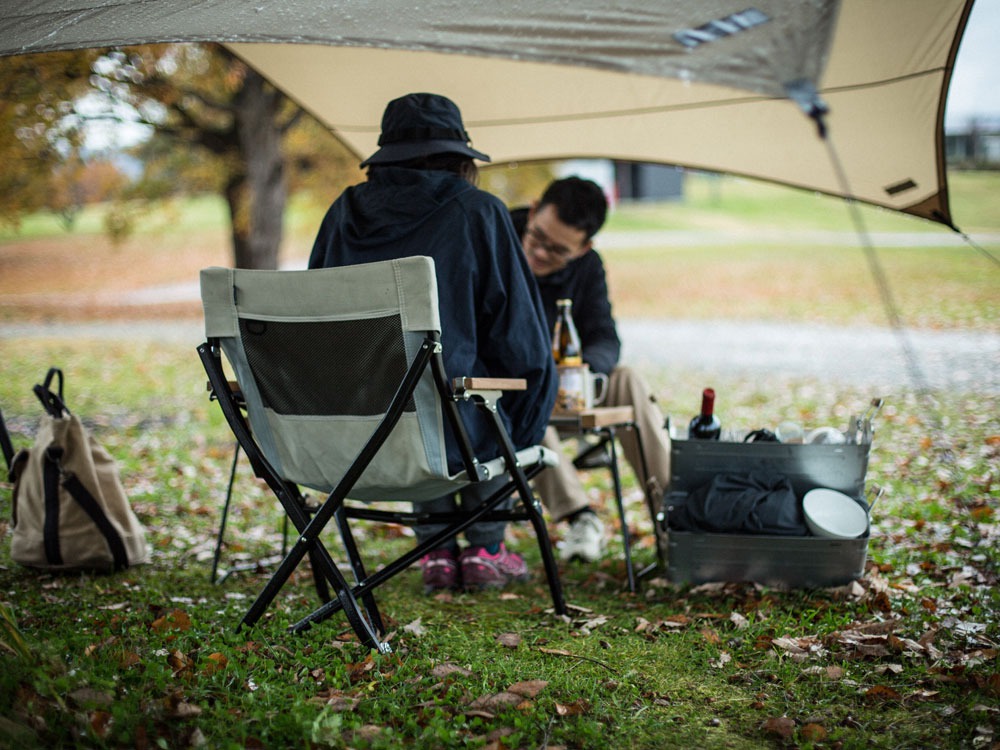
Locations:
(916, 636)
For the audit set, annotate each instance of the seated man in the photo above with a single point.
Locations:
(420, 199)
(556, 234)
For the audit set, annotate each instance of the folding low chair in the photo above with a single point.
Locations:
(342, 389)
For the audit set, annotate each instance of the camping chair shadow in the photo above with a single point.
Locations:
(342, 389)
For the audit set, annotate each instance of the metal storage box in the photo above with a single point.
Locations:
(797, 562)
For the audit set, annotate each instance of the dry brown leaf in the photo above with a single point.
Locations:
(415, 628)
(509, 640)
(86, 696)
(179, 662)
(882, 693)
(496, 702)
(780, 726)
(176, 620)
(739, 621)
(528, 688)
(100, 723)
(576, 708)
(710, 635)
(813, 733)
(216, 663)
(440, 671)
(336, 700)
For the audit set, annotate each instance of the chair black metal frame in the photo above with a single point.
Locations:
(603, 454)
(365, 618)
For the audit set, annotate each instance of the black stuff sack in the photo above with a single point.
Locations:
(70, 511)
(754, 503)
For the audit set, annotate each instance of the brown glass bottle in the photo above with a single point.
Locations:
(565, 339)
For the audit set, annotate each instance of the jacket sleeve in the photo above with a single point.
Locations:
(513, 340)
(592, 315)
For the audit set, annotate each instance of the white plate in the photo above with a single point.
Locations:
(833, 514)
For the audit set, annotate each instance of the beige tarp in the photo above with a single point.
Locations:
(700, 84)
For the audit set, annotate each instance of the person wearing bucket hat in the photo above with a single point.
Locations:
(420, 198)
(419, 125)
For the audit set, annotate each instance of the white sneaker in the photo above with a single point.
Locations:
(584, 539)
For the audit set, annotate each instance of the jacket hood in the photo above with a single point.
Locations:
(395, 201)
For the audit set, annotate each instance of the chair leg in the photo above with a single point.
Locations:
(225, 515)
(323, 565)
(358, 567)
(617, 484)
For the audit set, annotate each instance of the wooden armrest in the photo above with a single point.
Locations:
(490, 384)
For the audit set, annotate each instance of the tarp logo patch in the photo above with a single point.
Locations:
(721, 28)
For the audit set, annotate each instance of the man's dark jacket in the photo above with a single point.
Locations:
(584, 282)
(490, 309)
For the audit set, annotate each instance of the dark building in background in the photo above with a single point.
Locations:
(652, 182)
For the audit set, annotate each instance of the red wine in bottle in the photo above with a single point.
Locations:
(705, 426)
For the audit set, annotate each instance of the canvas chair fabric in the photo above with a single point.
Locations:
(319, 356)
(310, 441)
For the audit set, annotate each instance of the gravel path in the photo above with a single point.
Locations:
(861, 356)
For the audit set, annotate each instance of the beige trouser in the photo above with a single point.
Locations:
(559, 487)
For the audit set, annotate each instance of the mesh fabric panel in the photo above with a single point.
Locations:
(343, 367)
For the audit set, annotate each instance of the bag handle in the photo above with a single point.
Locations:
(53, 403)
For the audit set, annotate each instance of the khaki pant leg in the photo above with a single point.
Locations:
(628, 388)
(559, 487)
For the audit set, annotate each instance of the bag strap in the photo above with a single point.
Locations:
(53, 403)
(5, 445)
(79, 492)
(50, 484)
(93, 509)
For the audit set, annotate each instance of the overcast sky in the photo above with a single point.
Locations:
(975, 82)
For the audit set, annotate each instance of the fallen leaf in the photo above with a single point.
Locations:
(175, 620)
(780, 726)
(813, 733)
(882, 693)
(179, 662)
(496, 701)
(710, 635)
(86, 696)
(415, 628)
(444, 669)
(216, 663)
(509, 640)
(100, 723)
(576, 708)
(528, 688)
(738, 620)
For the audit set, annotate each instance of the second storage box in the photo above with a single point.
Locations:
(798, 561)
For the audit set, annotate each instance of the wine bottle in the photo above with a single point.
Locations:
(705, 426)
(565, 339)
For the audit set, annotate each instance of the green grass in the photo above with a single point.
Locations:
(906, 657)
(150, 658)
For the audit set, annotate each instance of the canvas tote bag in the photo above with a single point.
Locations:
(70, 511)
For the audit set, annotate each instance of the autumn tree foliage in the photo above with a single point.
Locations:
(39, 139)
(217, 125)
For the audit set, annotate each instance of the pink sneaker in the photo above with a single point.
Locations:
(440, 570)
(482, 570)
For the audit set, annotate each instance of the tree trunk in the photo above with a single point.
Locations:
(256, 192)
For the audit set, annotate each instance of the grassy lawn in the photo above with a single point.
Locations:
(905, 657)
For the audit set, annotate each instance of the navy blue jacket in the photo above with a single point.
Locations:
(584, 282)
(489, 305)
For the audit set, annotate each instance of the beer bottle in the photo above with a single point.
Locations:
(565, 340)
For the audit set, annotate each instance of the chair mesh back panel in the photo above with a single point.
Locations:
(341, 367)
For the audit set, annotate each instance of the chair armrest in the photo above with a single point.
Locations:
(489, 384)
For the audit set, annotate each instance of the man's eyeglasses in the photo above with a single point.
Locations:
(538, 238)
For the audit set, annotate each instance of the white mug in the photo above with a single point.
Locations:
(579, 388)
(596, 389)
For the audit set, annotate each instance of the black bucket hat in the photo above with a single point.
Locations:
(418, 125)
